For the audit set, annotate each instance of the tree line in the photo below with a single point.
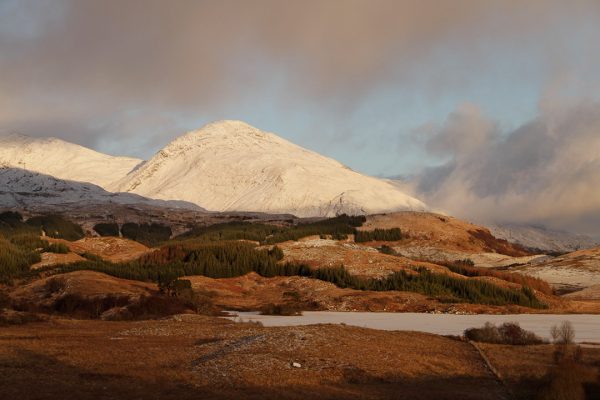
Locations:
(467, 268)
(149, 234)
(379, 235)
(21, 245)
(337, 228)
(231, 259)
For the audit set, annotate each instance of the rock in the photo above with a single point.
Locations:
(296, 365)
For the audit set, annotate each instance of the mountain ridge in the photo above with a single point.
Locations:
(21, 188)
(62, 159)
(230, 165)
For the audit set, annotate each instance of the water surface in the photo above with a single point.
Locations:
(587, 326)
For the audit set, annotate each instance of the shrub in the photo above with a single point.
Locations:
(276, 253)
(563, 334)
(512, 333)
(339, 236)
(87, 307)
(507, 333)
(175, 287)
(487, 334)
(154, 306)
(385, 249)
(59, 248)
(107, 229)
(165, 279)
(279, 309)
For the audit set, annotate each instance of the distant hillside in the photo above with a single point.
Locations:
(62, 160)
(542, 238)
(22, 189)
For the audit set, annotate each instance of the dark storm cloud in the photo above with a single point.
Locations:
(546, 171)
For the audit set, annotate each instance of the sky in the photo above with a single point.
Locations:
(488, 109)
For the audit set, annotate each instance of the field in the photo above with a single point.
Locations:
(190, 357)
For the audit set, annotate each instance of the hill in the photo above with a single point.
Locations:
(232, 166)
(62, 160)
(570, 272)
(24, 189)
(541, 238)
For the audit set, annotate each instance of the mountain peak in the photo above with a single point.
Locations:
(232, 166)
(225, 135)
(228, 128)
(229, 124)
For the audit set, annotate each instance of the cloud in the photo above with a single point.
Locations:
(69, 64)
(546, 171)
(126, 76)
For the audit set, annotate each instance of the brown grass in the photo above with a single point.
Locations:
(193, 357)
(525, 368)
(113, 249)
(444, 232)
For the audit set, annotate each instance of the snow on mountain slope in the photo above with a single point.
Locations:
(542, 238)
(572, 271)
(62, 160)
(31, 190)
(232, 166)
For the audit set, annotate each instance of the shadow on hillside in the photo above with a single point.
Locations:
(23, 188)
(29, 375)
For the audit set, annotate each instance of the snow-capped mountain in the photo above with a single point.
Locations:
(31, 190)
(62, 160)
(232, 166)
(542, 238)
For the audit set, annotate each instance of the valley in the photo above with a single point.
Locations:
(143, 315)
